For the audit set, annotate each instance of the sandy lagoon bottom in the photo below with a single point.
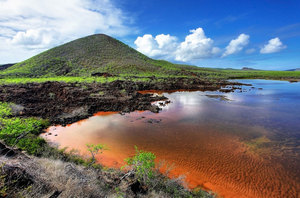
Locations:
(246, 146)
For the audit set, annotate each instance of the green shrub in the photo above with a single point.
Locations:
(142, 164)
(21, 132)
(96, 149)
(5, 109)
(31, 144)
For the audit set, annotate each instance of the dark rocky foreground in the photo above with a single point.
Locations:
(64, 103)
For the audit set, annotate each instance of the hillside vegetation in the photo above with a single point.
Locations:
(88, 55)
(100, 53)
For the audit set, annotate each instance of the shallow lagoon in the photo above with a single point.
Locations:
(240, 144)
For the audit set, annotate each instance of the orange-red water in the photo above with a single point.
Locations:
(248, 147)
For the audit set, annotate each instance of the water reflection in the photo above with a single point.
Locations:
(247, 146)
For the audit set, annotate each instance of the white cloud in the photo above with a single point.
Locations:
(33, 37)
(236, 45)
(31, 26)
(195, 46)
(166, 42)
(162, 46)
(274, 45)
(146, 44)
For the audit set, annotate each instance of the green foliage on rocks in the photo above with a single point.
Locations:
(21, 132)
(143, 164)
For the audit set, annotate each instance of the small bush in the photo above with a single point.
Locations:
(21, 132)
(142, 164)
(96, 149)
(5, 109)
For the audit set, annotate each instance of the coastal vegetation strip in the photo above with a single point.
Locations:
(208, 76)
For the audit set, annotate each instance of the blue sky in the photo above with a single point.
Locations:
(262, 34)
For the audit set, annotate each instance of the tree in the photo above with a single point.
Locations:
(96, 149)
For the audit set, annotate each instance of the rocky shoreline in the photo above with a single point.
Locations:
(65, 103)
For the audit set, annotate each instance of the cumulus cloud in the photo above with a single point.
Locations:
(166, 41)
(29, 25)
(146, 44)
(195, 46)
(274, 45)
(33, 37)
(236, 45)
(160, 46)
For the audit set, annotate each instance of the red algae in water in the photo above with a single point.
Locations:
(211, 154)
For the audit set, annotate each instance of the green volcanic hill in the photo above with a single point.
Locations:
(89, 55)
(98, 54)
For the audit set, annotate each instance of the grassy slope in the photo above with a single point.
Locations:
(101, 53)
(96, 53)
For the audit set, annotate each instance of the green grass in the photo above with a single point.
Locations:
(59, 79)
(7, 81)
(77, 60)
(236, 74)
(5, 109)
(208, 75)
(21, 132)
(24, 133)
